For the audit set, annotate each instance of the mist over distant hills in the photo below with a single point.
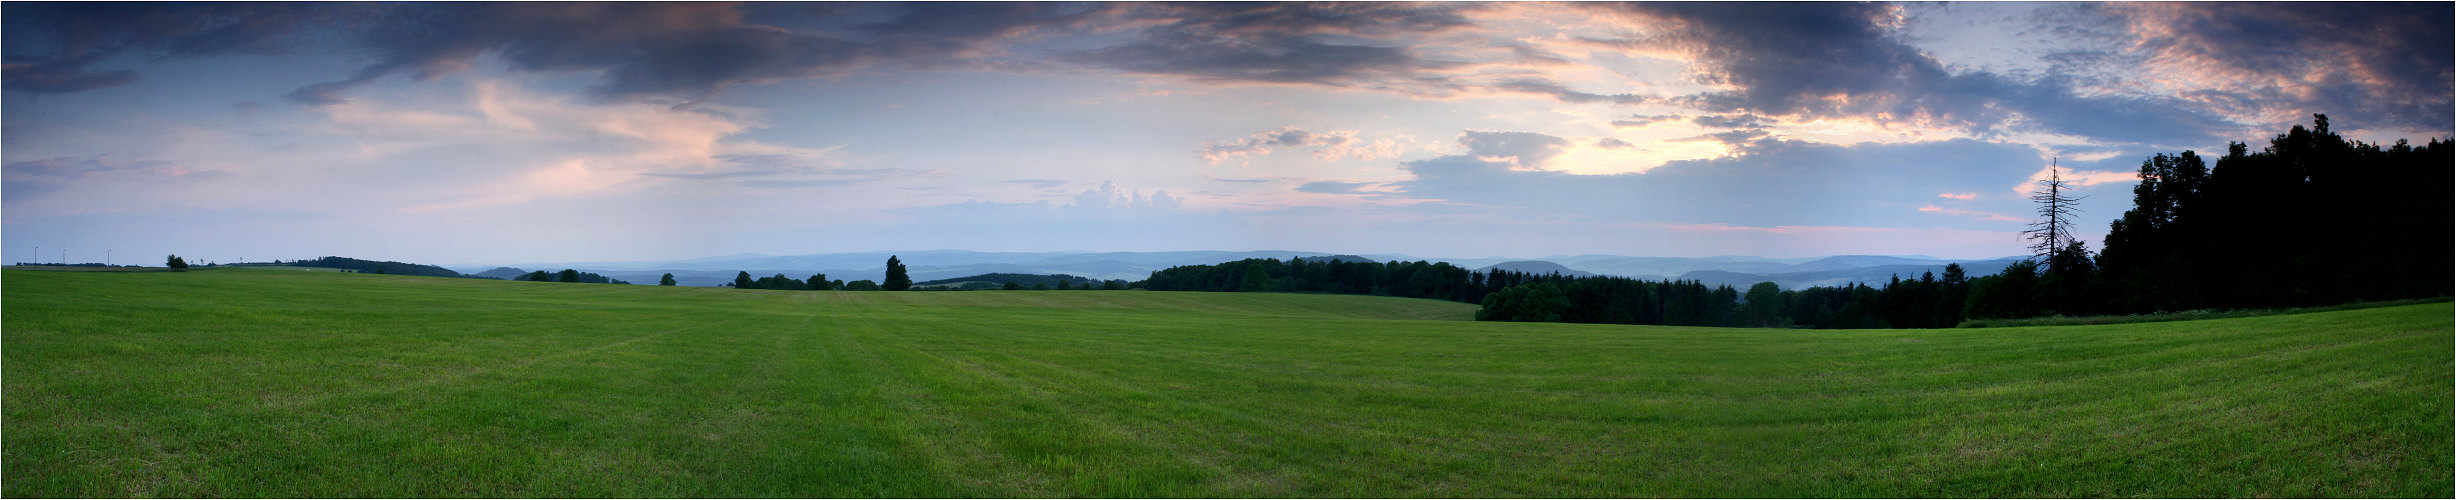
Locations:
(1737, 271)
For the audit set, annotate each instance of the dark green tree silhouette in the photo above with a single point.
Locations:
(2310, 219)
(568, 276)
(1765, 306)
(2069, 286)
(1953, 294)
(668, 280)
(897, 279)
(176, 263)
(2009, 294)
(2145, 263)
(1255, 278)
(1538, 302)
(741, 280)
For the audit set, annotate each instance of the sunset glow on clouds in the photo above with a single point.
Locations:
(477, 132)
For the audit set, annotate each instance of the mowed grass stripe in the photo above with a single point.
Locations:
(260, 383)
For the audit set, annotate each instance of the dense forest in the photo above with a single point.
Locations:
(2311, 219)
(1515, 296)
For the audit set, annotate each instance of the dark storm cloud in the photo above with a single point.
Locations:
(50, 45)
(679, 49)
(1328, 44)
(2374, 61)
(1821, 60)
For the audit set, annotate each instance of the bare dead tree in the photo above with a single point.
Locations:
(2053, 229)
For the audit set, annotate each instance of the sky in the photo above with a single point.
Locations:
(472, 133)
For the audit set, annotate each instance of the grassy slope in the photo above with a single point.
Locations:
(266, 383)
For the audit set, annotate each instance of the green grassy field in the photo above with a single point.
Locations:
(288, 384)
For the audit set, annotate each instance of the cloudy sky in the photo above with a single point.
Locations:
(469, 133)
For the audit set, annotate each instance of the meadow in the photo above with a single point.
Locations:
(260, 383)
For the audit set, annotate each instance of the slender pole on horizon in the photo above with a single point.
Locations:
(106, 258)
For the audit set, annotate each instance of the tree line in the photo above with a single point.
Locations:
(572, 276)
(2311, 219)
(1929, 301)
(742, 280)
(1419, 279)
